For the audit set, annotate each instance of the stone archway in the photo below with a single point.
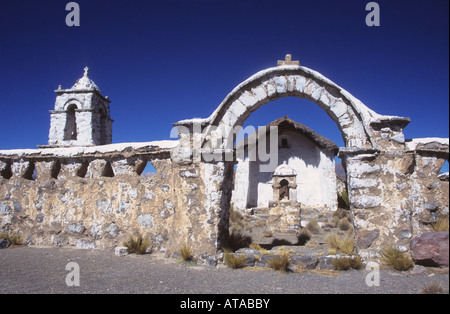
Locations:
(366, 135)
(352, 117)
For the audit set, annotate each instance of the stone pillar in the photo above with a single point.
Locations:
(365, 197)
(57, 125)
(86, 132)
(47, 169)
(23, 169)
(129, 166)
(380, 202)
(73, 167)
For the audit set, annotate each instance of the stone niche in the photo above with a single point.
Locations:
(284, 184)
(284, 214)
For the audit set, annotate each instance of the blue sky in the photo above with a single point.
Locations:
(164, 61)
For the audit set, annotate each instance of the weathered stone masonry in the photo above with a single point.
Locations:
(102, 205)
(94, 197)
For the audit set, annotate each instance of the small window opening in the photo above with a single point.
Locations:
(108, 170)
(30, 172)
(149, 171)
(56, 168)
(443, 173)
(6, 171)
(70, 130)
(284, 143)
(445, 167)
(102, 127)
(284, 190)
(83, 169)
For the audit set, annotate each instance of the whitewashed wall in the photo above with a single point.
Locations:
(316, 177)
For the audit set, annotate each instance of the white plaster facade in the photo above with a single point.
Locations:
(81, 116)
(308, 154)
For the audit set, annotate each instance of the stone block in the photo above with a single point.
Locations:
(121, 251)
(432, 206)
(356, 183)
(145, 220)
(431, 249)
(75, 228)
(366, 237)
(326, 263)
(248, 99)
(259, 93)
(85, 244)
(281, 84)
(4, 244)
(366, 201)
(300, 84)
(305, 261)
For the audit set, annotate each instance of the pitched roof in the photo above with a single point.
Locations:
(289, 124)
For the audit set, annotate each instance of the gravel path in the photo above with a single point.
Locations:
(43, 270)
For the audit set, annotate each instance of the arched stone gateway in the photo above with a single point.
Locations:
(77, 191)
(374, 153)
(358, 124)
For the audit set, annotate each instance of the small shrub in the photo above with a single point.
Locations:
(343, 201)
(432, 288)
(14, 239)
(345, 263)
(186, 253)
(340, 244)
(138, 245)
(304, 236)
(344, 224)
(237, 220)
(280, 263)
(313, 226)
(441, 225)
(237, 240)
(397, 259)
(234, 261)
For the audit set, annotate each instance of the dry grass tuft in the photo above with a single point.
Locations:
(344, 224)
(258, 247)
(340, 244)
(432, 288)
(304, 236)
(345, 263)
(234, 261)
(313, 227)
(280, 263)
(186, 253)
(137, 245)
(397, 259)
(237, 240)
(441, 225)
(14, 239)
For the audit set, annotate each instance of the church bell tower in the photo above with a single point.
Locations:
(81, 116)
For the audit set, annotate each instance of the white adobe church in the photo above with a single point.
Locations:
(305, 173)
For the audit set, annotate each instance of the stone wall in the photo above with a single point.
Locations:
(94, 198)
(395, 194)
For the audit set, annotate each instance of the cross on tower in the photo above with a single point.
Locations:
(288, 61)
